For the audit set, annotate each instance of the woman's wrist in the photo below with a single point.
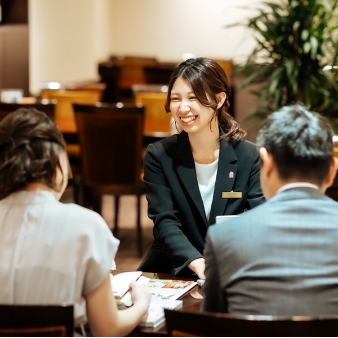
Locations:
(198, 266)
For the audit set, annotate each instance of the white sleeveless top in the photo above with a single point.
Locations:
(206, 177)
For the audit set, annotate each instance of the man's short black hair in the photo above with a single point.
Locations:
(300, 141)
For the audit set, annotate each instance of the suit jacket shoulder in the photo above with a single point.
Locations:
(282, 249)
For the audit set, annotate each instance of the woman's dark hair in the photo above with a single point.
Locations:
(207, 79)
(30, 145)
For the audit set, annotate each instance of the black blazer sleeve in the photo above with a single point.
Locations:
(160, 180)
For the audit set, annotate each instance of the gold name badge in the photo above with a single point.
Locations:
(232, 194)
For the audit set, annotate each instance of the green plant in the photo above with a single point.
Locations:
(296, 50)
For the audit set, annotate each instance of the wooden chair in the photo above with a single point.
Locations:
(65, 118)
(111, 154)
(227, 66)
(110, 75)
(156, 118)
(132, 68)
(36, 321)
(159, 74)
(65, 99)
(131, 72)
(64, 113)
(207, 324)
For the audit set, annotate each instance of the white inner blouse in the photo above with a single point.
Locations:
(206, 177)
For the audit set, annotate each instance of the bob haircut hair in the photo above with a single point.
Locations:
(30, 145)
(207, 79)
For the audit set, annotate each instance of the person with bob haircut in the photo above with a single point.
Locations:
(205, 170)
(54, 253)
(281, 258)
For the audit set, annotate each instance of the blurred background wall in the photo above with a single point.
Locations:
(64, 40)
(68, 37)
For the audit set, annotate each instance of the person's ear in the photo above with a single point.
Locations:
(267, 161)
(61, 175)
(220, 99)
(331, 174)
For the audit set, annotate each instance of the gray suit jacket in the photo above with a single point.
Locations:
(280, 258)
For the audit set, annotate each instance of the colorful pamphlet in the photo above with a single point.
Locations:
(164, 294)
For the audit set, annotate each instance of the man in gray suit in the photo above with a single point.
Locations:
(281, 258)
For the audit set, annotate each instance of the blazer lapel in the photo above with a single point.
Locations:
(226, 175)
(185, 167)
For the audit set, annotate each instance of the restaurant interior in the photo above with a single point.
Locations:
(59, 53)
(62, 56)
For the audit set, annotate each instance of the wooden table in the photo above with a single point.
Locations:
(189, 304)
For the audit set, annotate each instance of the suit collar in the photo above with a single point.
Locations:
(225, 179)
(298, 193)
(185, 167)
(295, 185)
(183, 146)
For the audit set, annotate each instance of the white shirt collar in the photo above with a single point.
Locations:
(297, 185)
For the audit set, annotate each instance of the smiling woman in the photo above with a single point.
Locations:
(191, 177)
(195, 118)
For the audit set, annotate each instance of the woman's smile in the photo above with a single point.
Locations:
(188, 120)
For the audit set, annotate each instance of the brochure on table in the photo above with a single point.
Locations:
(164, 294)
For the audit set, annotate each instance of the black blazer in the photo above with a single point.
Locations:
(175, 203)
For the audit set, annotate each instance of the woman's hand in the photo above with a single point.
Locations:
(139, 295)
(105, 320)
(198, 266)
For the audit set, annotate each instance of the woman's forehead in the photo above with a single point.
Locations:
(181, 85)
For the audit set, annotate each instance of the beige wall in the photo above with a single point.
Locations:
(167, 29)
(69, 37)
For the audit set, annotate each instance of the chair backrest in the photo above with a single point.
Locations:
(155, 113)
(111, 143)
(132, 69)
(208, 324)
(159, 74)
(46, 106)
(227, 66)
(65, 99)
(36, 320)
(110, 75)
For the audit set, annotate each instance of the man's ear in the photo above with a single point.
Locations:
(332, 173)
(267, 161)
(220, 99)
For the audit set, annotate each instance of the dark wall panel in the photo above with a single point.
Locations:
(14, 11)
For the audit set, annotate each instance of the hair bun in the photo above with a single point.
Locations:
(30, 145)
